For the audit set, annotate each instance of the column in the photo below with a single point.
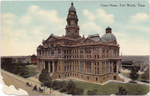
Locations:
(53, 66)
(117, 67)
(43, 64)
(49, 66)
(112, 66)
(41, 53)
(108, 66)
(92, 67)
(84, 67)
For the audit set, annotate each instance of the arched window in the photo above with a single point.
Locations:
(52, 46)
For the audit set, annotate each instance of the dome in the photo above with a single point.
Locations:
(109, 37)
(72, 8)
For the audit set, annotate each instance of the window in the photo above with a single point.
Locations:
(107, 50)
(97, 56)
(114, 53)
(103, 50)
(68, 32)
(95, 70)
(89, 50)
(87, 77)
(59, 51)
(81, 51)
(64, 68)
(58, 76)
(81, 77)
(89, 69)
(52, 46)
(52, 53)
(87, 56)
(110, 68)
(96, 79)
(114, 77)
(59, 68)
(64, 51)
(96, 50)
(97, 63)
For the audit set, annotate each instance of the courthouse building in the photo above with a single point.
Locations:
(93, 59)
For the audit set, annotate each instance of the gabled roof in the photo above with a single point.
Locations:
(52, 36)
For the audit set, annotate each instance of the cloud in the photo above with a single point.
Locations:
(100, 15)
(90, 27)
(133, 48)
(88, 15)
(7, 19)
(106, 18)
(139, 17)
(21, 35)
(25, 19)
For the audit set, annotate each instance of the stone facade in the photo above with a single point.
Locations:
(92, 59)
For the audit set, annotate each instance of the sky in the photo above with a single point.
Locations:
(24, 24)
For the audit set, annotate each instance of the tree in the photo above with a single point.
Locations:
(63, 86)
(133, 74)
(44, 77)
(122, 91)
(17, 67)
(71, 87)
(146, 74)
(78, 91)
(24, 71)
(92, 92)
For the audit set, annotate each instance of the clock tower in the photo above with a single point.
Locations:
(72, 28)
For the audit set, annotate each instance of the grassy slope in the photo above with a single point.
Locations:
(32, 70)
(108, 89)
(138, 79)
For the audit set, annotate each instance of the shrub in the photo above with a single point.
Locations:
(122, 91)
(78, 91)
(71, 87)
(92, 92)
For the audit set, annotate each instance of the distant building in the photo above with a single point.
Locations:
(33, 59)
(92, 59)
(9, 59)
(129, 64)
(22, 59)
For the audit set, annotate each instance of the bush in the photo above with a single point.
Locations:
(122, 91)
(71, 87)
(92, 92)
(78, 91)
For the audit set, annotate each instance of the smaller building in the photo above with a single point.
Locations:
(130, 64)
(33, 58)
(23, 59)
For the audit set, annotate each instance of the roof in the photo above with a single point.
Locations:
(72, 8)
(108, 37)
(94, 37)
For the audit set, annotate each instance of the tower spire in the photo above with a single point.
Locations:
(72, 28)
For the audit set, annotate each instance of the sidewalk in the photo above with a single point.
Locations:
(126, 80)
(32, 80)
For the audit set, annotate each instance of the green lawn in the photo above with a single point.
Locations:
(32, 71)
(138, 79)
(107, 89)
